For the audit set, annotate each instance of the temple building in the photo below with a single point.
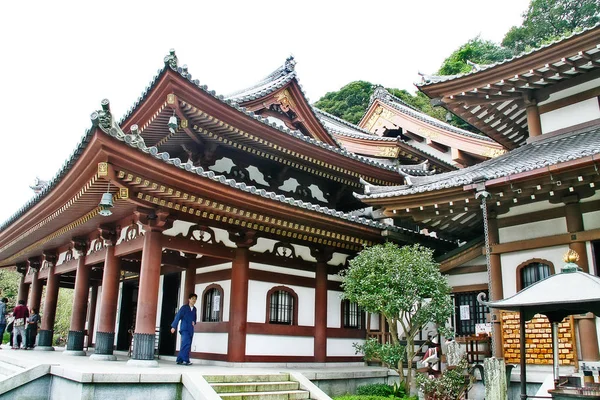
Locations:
(525, 208)
(256, 200)
(247, 200)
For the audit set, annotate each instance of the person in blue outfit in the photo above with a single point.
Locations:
(187, 316)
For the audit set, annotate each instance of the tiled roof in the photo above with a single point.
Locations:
(433, 79)
(397, 103)
(346, 128)
(542, 153)
(271, 83)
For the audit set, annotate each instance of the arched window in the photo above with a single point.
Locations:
(282, 306)
(352, 315)
(532, 271)
(212, 303)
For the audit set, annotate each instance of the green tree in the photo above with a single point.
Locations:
(405, 286)
(547, 20)
(477, 51)
(349, 103)
(9, 285)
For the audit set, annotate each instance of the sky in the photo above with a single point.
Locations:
(59, 59)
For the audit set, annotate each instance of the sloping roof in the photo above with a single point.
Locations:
(395, 102)
(269, 84)
(433, 79)
(542, 153)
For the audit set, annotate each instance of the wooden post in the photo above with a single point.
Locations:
(80, 303)
(534, 122)
(496, 285)
(46, 332)
(92, 315)
(320, 342)
(238, 311)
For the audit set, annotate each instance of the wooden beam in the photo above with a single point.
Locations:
(191, 246)
(461, 258)
(468, 269)
(546, 241)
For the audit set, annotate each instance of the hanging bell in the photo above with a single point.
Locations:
(172, 124)
(106, 203)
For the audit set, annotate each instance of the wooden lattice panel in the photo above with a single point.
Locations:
(538, 340)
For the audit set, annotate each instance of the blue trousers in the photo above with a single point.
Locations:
(186, 345)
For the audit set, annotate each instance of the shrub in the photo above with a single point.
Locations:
(375, 389)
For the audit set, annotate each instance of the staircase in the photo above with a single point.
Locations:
(7, 369)
(255, 387)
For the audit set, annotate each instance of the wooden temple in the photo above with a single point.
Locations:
(247, 200)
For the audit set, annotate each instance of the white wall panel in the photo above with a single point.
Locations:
(209, 343)
(474, 278)
(275, 345)
(257, 302)
(342, 347)
(281, 270)
(533, 230)
(574, 114)
(529, 208)
(591, 220)
(334, 309)
(510, 262)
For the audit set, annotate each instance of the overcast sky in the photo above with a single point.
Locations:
(60, 59)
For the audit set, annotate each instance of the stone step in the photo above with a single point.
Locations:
(7, 369)
(246, 378)
(283, 395)
(244, 387)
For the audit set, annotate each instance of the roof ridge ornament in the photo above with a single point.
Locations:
(380, 93)
(290, 64)
(571, 257)
(104, 120)
(171, 60)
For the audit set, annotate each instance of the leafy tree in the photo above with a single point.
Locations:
(547, 20)
(9, 285)
(64, 308)
(405, 286)
(349, 103)
(477, 51)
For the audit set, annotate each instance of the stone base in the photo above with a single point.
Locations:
(143, 363)
(74, 353)
(103, 357)
(43, 348)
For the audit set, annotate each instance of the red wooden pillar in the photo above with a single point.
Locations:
(80, 303)
(92, 315)
(320, 343)
(496, 285)
(23, 293)
(36, 289)
(47, 330)
(238, 297)
(154, 224)
(587, 324)
(190, 282)
(105, 335)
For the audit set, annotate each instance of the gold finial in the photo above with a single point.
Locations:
(571, 256)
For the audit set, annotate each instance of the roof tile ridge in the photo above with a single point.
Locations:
(445, 78)
(287, 69)
(343, 121)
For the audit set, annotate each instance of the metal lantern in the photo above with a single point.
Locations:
(106, 204)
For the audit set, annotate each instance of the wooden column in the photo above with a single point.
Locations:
(92, 315)
(496, 284)
(105, 335)
(588, 336)
(238, 297)
(46, 332)
(154, 224)
(533, 119)
(80, 303)
(23, 293)
(320, 342)
(36, 285)
(190, 282)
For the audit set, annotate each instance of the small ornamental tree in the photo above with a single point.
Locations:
(404, 284)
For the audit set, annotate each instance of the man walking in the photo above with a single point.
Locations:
(20, 313)
(187, 316)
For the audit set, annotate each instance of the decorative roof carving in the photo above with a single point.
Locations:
(171, 60)
(290, 64)
(39, 185)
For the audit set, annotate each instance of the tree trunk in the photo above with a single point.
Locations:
(410, 353)
(396, 341)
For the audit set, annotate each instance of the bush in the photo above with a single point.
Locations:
(370, 397)
(375, 389)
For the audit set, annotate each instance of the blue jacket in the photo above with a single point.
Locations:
(186, 315)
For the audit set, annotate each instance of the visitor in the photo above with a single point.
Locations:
(187, 316)
(2, 318)
(20, 314)
(32, 327)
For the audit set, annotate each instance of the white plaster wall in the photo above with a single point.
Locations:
(590, 254)
(476, 261)
(474, 278)
(510, 262)
(212, 268)
(374, 321)
(591, 220)
(304, 253)
(334, 309)
(160, 301)
(533, 230)
(118, 311)
(337, 259)
(282, 270)
(571, 91)
(97, 317)
(263, 245)
(257, 302)
(565, 117)
(226, 285)
(529, 208)
(594, 197)
(275, 345)
(209, 343)
(342, 347)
